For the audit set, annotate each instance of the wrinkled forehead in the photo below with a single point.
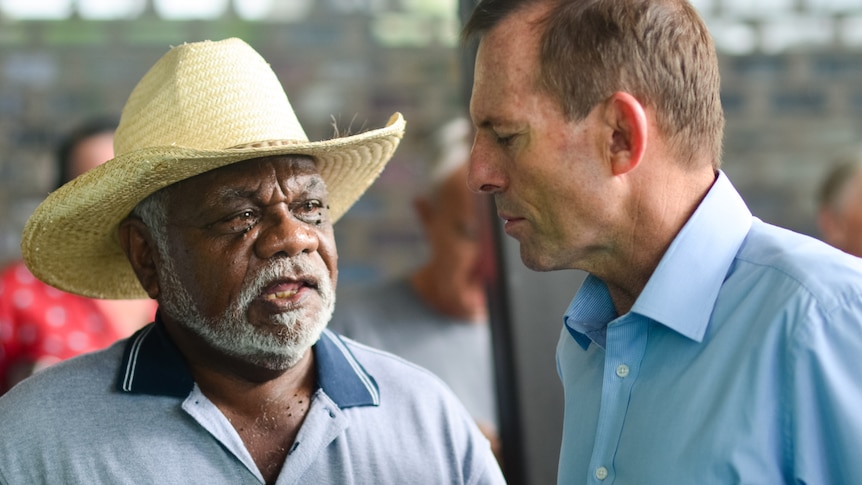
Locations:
(300, 164)
(283, 165)
(291, 172)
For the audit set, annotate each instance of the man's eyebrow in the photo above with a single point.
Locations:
(315, 182)
(228, 193)
(490, 122)
(485, 123)
(307, 182)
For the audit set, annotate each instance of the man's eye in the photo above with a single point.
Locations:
(241, 222)
(312, 211)
(311, 205)
(504, 140)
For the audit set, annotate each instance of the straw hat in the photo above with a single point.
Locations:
(202, 106)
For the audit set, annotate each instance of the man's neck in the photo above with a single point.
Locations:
(245, 395)
(266, 414)
(657, 212)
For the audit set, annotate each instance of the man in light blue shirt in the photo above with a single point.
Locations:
(737, 363)
(705, 346)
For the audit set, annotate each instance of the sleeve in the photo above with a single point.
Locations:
(826, 395)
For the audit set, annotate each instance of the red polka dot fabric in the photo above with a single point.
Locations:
(41, 325)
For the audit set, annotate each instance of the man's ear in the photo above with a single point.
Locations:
(141, 251)
(627, 118)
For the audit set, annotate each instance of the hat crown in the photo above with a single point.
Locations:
(207, 96)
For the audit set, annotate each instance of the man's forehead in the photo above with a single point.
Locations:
(301, 163)
(292, 165)
(507, 62)
(247, 175)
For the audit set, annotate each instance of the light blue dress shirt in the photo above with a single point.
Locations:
(739, 363)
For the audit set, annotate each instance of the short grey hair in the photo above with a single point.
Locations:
(153, 211)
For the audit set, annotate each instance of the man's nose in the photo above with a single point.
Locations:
(284, 233)
(484, 174)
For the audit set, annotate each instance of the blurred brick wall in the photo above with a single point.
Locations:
(788, 115)
(54, 74)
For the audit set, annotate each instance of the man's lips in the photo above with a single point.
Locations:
(506, 214)
(509, 220)
(285, 290)
(280, 294)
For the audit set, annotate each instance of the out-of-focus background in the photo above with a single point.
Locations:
(792, 92)
(791, 88)
(354, 62)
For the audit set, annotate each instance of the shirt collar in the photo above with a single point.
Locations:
(682, 290)
(153, 365)
(589, 312)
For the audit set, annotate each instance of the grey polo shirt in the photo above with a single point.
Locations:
(133, 414)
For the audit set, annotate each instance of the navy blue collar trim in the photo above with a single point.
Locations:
(153, 365)
(341, 376)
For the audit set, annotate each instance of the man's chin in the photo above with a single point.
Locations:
(273, 353)
(529, 259)
(267, 317)
(276, 361)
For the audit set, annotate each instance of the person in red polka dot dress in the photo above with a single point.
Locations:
(41, 325)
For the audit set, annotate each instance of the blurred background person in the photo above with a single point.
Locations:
(436, 316)
(41, 325)
(839, 212)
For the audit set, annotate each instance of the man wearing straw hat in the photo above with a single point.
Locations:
(218, 206)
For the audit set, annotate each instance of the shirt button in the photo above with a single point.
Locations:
(623, 370)
(601, 473)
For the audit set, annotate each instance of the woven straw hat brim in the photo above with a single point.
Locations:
(71, 240)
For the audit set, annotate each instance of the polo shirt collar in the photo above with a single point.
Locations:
(152, 364)
(684, 287)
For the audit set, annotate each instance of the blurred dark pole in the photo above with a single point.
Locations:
(508, 400)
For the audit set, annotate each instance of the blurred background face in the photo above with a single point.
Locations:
(841, 224)
(853, 217)
(450, 220)
(90, 153)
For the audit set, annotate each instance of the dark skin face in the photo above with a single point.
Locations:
(224, 225)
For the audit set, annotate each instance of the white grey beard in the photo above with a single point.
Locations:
(234, 335)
